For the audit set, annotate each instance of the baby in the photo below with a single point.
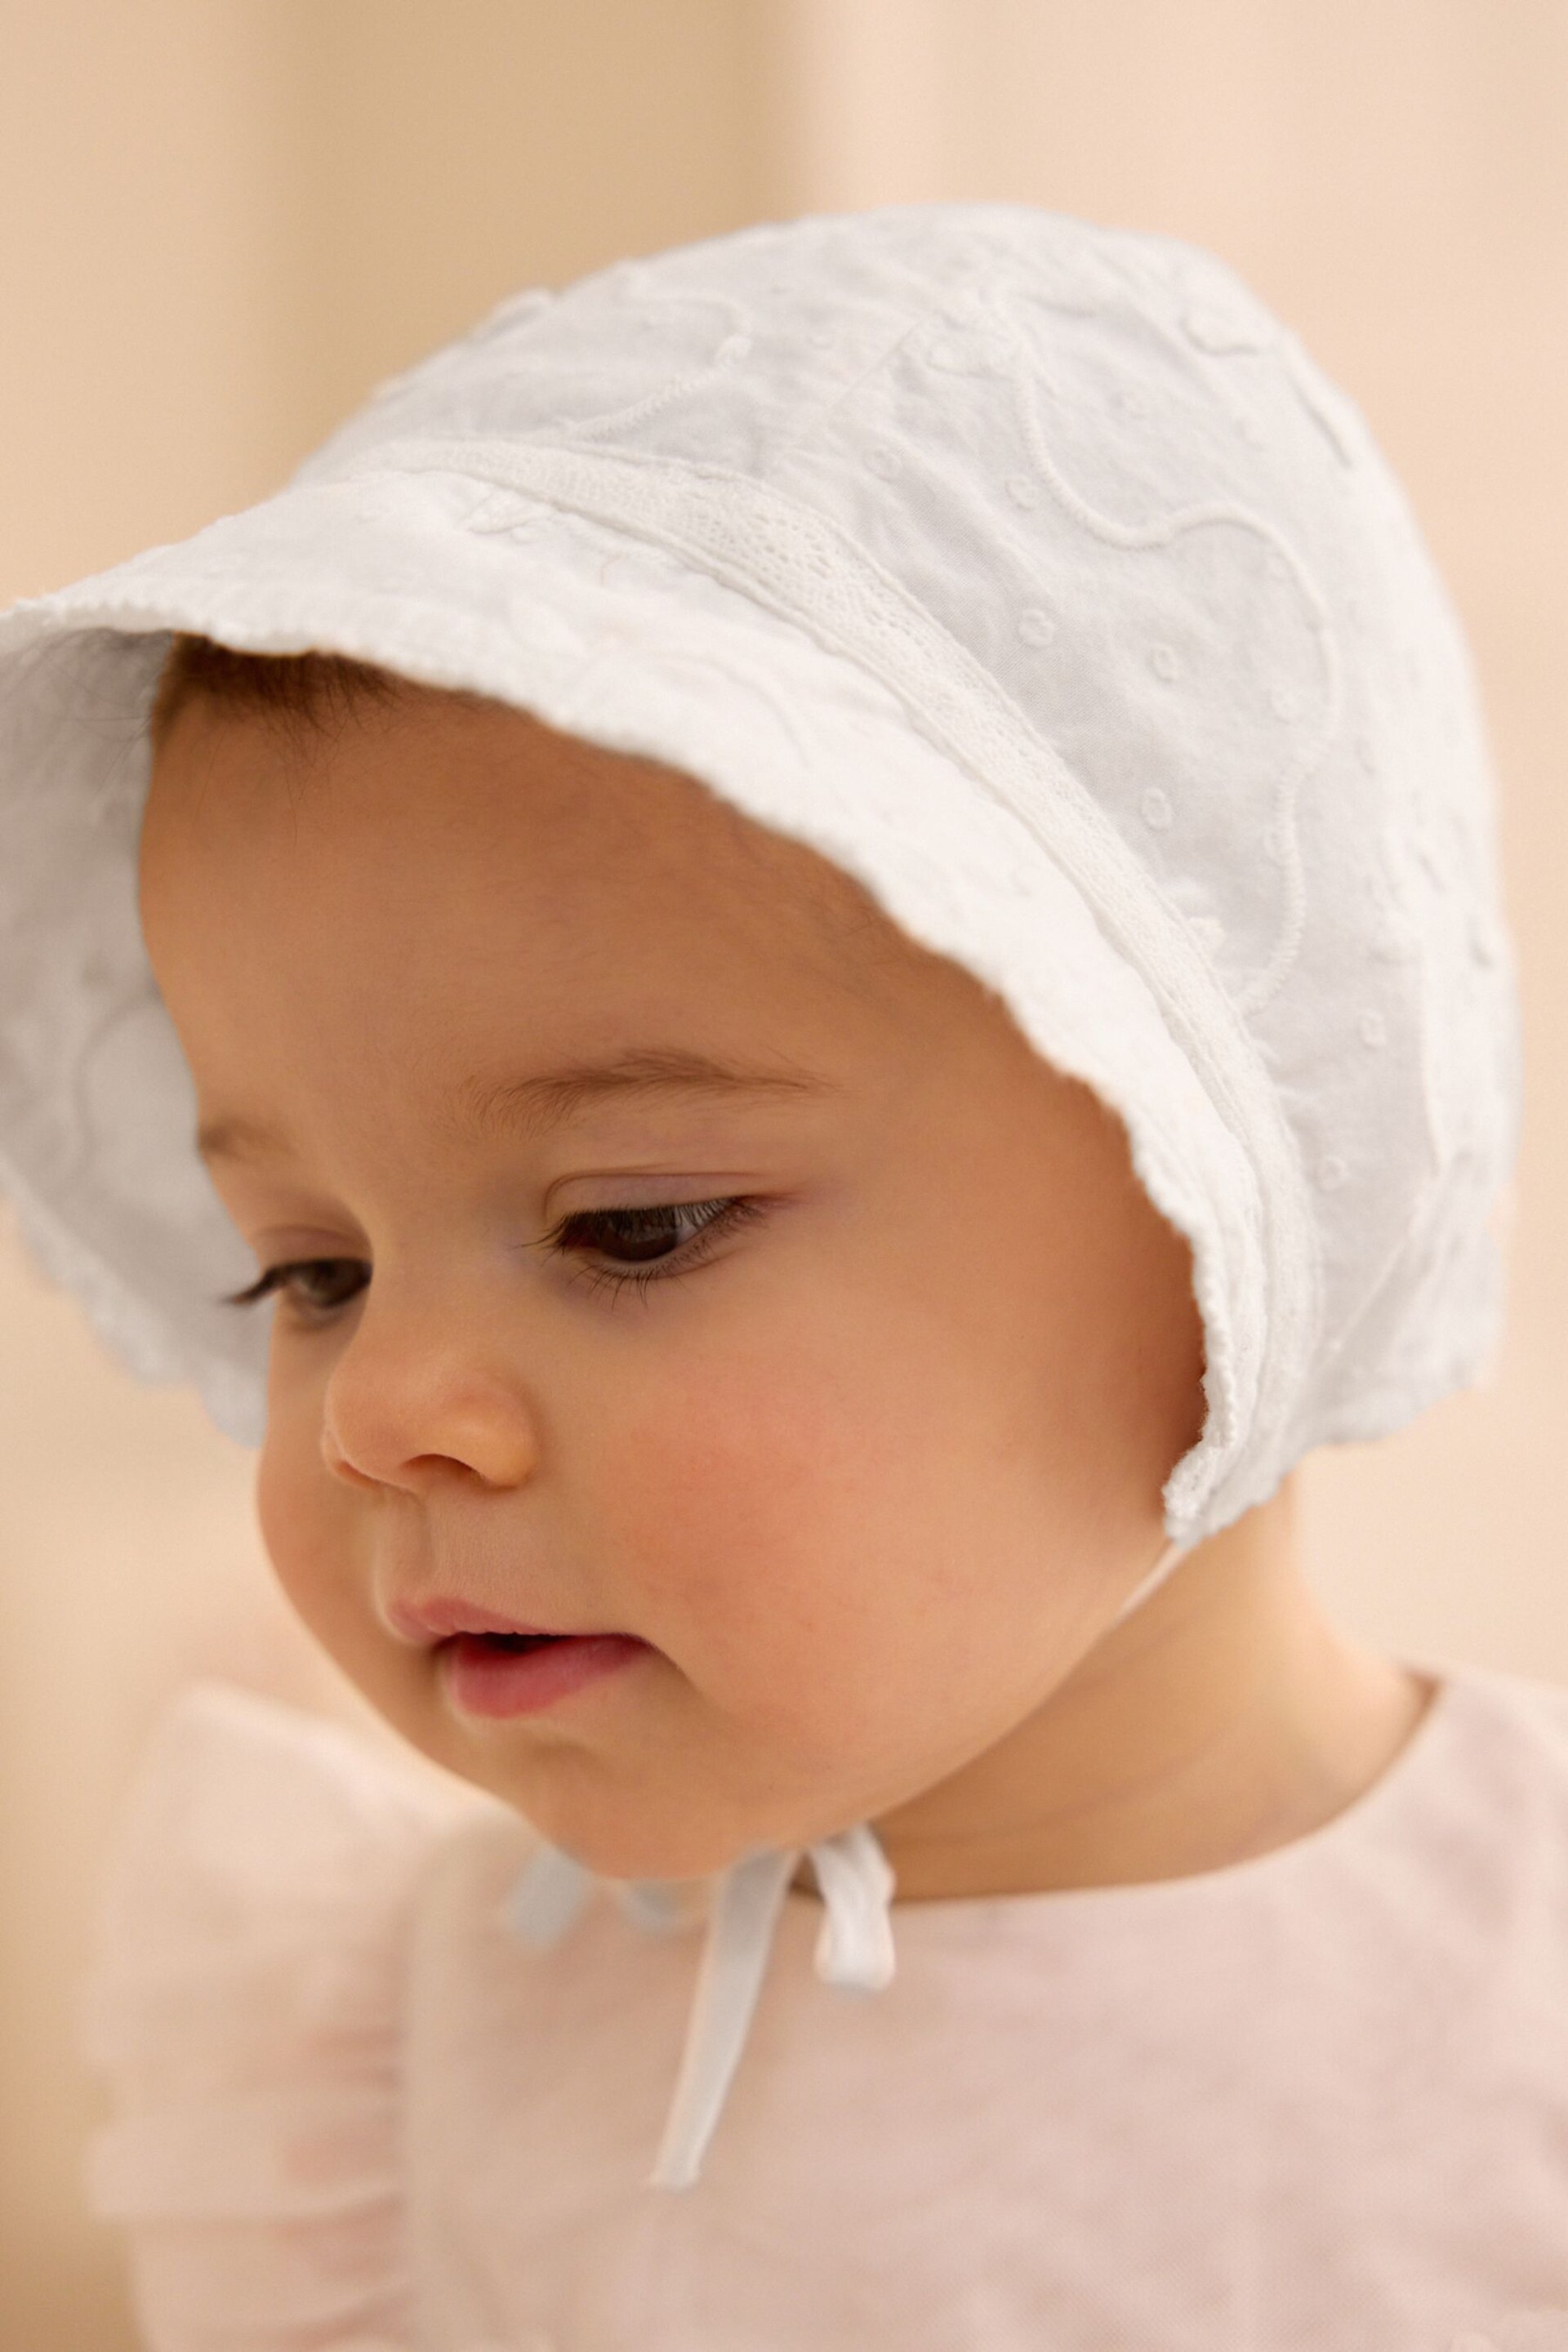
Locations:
(823, 917)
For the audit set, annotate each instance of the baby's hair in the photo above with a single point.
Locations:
(318, 690)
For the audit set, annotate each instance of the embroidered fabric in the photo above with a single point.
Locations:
(1030, 570)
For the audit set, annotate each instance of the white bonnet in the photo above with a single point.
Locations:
(1027, 570)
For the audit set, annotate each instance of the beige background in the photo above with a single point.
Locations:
(221, 220)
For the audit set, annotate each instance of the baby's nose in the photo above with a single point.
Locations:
(409, 1404)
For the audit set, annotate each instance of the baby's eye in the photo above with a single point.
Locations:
(646, 1242)
(315, 1286)
(636, 1238)
(633, 1236)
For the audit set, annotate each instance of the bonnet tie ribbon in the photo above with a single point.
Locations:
(854, 1953)
(854, 1946)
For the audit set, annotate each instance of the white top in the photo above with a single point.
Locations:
(1317, 2102)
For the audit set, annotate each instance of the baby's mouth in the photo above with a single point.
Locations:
(492, 1676)
(442, 1617)
(509, 1642)
(489, 1666)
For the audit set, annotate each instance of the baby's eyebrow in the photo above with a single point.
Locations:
(533, 1106)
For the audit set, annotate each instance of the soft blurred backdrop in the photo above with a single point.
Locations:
(221, 221)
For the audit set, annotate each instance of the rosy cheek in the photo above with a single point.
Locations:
(734, 1500)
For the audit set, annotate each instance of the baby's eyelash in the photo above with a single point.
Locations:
(278, 1277)
(589, 1229)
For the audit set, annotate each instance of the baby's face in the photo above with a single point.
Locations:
(675, 1252)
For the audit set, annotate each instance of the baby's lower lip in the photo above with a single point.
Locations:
(492, 1677)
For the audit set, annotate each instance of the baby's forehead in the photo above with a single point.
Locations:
(422, 771)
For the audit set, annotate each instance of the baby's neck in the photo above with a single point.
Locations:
(1224, 1718)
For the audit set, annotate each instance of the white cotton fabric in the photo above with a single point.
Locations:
(1028, 570)
(1312, 2101)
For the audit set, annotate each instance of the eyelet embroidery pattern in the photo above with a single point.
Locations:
(1249, 746)
(1030, 328)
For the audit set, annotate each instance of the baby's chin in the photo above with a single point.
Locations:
(639, 1833)
(636, 1775)
(617, 1807)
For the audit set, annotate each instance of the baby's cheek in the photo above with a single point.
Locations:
(751, 1505)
